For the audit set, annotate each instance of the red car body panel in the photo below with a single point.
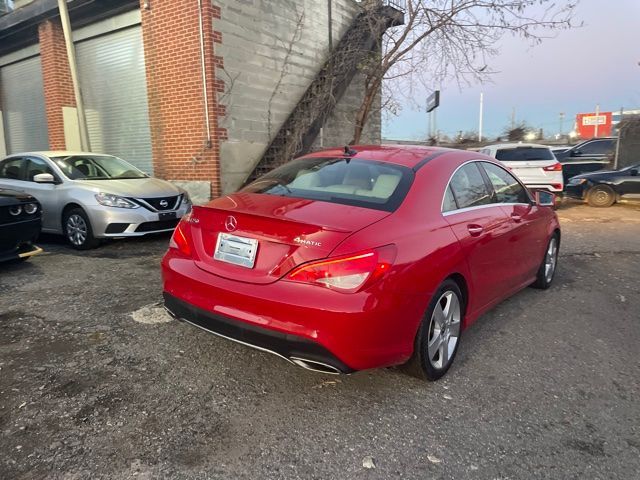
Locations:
(377, 326)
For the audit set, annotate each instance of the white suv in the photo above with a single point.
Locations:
(535, 165)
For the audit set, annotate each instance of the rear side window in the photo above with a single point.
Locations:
(469, 187)
(523, 154)
(361, 183)
(449, 202)
(11, 169)
(506, 187)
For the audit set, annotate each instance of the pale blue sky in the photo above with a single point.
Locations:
(571, 73)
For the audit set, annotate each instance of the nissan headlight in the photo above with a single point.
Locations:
(577, 181)
(109, 200)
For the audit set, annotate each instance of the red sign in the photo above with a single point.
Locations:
(591, 125)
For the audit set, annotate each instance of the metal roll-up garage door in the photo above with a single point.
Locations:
(22, 106)
(114, 90)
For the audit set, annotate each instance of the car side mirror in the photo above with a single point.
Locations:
(544, 198)
(575, 153)
(634, 172)
(44, 178)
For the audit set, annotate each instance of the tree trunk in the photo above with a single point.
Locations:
(365, 110)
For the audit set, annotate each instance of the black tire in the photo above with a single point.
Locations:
(543, 277)
(421, 364)
(78, 231)
(601, 196)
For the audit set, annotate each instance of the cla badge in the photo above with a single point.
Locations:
(231, 223)
(164, 203)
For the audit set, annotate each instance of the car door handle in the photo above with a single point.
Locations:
(516, 218)
(475, 230)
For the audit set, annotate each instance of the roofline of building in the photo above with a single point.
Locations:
(19, 29)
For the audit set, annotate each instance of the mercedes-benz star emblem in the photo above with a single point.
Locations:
(164, 203)
(231, 223)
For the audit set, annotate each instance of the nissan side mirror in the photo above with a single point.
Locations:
(633, 172)
(575, 153)
(44, 178)
(544, 198)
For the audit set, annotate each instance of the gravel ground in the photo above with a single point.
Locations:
(545, 386)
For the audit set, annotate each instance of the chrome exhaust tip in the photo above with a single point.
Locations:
(314, 366)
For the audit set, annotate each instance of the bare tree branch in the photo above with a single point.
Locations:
(450, 39)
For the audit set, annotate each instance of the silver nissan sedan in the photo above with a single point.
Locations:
(89, 196)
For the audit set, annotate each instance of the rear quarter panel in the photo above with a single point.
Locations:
(427, 250)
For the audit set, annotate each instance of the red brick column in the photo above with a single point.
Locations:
(174, 86)
(58, 88)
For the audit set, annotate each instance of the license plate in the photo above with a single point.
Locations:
(167, 216)
(237, 250)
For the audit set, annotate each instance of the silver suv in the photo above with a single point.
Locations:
(89, 196)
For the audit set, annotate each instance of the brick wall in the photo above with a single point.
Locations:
(56, 76)
(174, 87)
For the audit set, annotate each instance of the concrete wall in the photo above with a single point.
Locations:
(268, 64)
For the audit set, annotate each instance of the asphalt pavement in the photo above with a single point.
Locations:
(96, 382)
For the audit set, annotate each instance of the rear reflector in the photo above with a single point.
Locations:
(347, 274)
(556, 167)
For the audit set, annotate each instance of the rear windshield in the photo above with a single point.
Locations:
(521, 154)
(362, 183)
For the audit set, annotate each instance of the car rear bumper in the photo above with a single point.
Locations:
(293, 348)
(16, 239)
(552, 187)
(110, 222)
(25, 250)
(308, 325)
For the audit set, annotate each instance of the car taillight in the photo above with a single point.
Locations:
(556, 167)
(179, 239)
(349, 273)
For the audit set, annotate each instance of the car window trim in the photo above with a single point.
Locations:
(478, 207)
(485, 178)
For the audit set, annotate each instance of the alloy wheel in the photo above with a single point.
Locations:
(444, 330)
(76, 229)
(550, 260)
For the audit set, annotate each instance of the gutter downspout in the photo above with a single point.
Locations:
(71, 57)
(204, 76)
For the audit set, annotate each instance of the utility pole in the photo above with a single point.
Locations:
(597, 120)
(513, 118)
(435, 125)
(71, 55)
(480, 119)
(561, 123)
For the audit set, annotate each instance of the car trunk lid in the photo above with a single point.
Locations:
(532, 172)
(289, 231)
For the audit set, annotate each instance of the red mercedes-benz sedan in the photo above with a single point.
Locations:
(366, 257)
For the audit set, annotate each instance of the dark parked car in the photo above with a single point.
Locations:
(603, 189)
(20, 223)
(588, 156)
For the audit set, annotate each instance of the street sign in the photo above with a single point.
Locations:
(433, 101)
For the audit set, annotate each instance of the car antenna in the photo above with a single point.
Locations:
(348, 151)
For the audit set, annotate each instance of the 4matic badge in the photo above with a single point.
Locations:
(307, 243)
